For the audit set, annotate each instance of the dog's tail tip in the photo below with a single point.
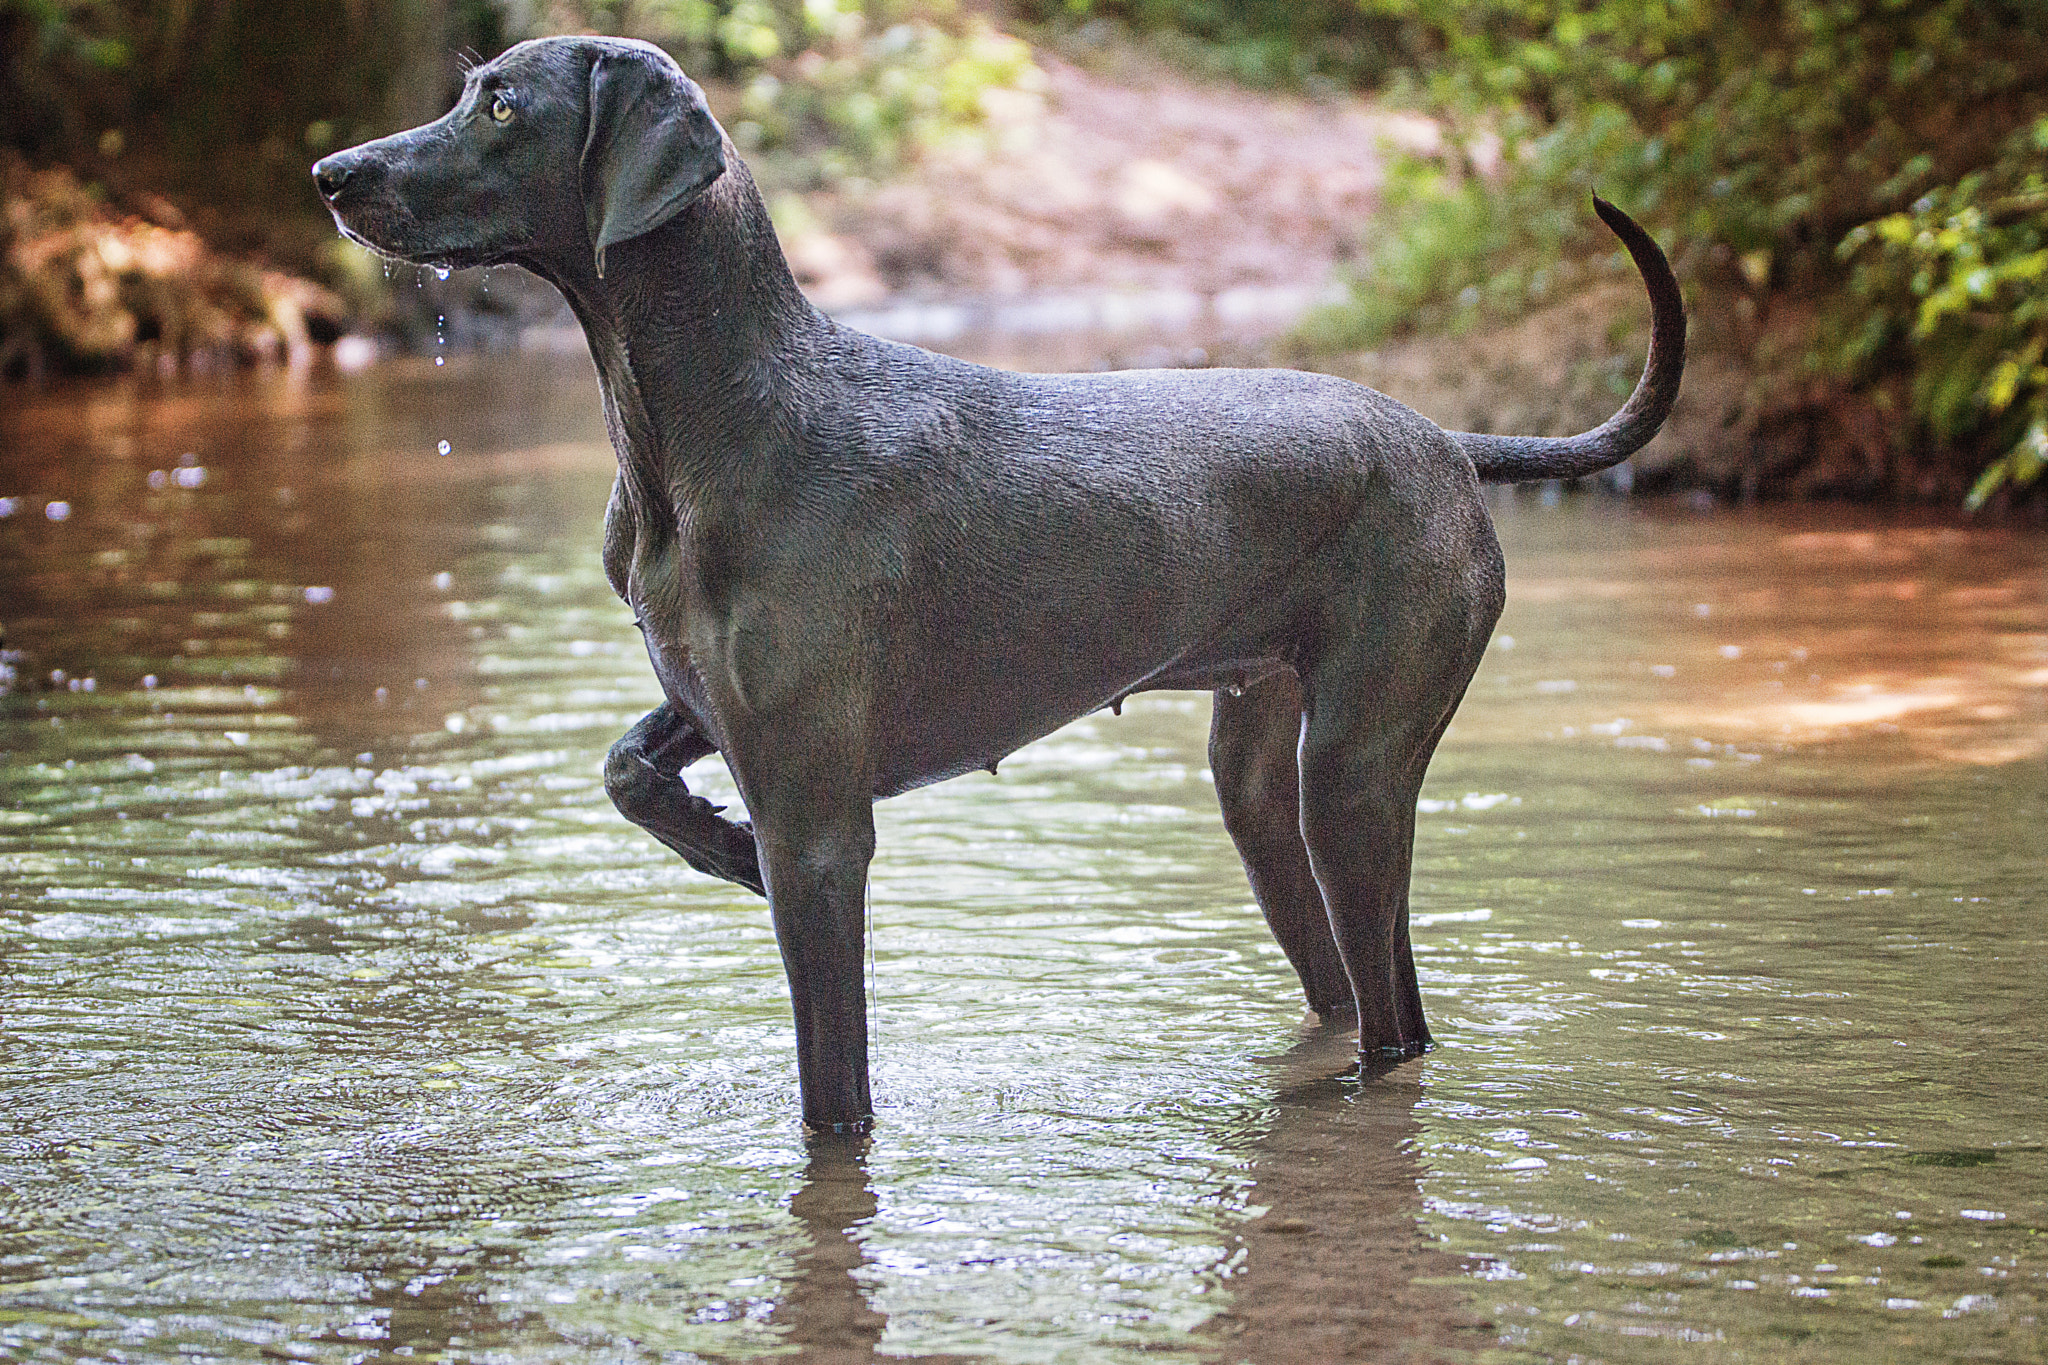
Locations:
(1517, 459)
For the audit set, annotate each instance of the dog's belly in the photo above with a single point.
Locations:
(1081, 610)
(970, 712)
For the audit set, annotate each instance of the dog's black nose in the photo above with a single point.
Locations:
(330, 173)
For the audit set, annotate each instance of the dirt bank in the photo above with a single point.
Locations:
(1131, 179)
(87, 285)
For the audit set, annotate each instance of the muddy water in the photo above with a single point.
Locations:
(342, 1018)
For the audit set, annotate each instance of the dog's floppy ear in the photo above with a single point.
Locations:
(652, 146)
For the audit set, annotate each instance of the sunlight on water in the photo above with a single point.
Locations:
(344, 1017)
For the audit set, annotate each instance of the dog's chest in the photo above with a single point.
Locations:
(730, 637)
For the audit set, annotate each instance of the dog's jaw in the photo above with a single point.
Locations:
(387, 227)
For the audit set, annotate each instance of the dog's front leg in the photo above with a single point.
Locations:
(642, 775)
(817, 832)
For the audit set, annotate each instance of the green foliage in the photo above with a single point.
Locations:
(63, 32)
(1758, 138)
(221, 103)
(1451, 247)
(1294, 43)
(862, 99)
(1957, 283)
(835, 88)
(187, 78)
(1446, 251)
(230, 101)
(1769, 126)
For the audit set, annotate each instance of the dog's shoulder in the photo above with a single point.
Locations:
(865, 393)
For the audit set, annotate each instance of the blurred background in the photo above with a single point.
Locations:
(342, 1019)
(1853, 194)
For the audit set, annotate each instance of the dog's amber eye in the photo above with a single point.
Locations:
(501, 109)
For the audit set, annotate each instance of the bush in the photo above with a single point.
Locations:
(231, 99)
(1293, 43)
(1953, 288)
(1451, 248)
(229, 102)
(860, 101)
(1868, 159)
(832, 88)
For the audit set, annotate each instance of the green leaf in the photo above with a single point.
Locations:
(1987, 484)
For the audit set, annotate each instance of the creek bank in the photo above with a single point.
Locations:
(1751, 423)
(88, 286)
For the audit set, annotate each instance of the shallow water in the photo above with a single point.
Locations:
(343, 1019)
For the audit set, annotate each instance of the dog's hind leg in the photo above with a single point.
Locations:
(1252, 740)
(1376, 706)
(642, 775)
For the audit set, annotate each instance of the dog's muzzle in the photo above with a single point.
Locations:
(332, 174)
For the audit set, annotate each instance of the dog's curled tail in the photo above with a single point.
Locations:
(1515, 459)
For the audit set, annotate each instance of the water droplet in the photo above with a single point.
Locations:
(439, 361)
(57, 511)
(444, 448)
(441, 272)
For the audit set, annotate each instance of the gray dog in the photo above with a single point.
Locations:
(861, 567)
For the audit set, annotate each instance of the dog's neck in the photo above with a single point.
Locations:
(692, 327)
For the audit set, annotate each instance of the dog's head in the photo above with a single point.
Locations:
(558, 145)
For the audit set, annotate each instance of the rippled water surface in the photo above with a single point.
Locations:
(343, 1018)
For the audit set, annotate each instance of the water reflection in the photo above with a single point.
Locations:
(1337, 1266)
(823, 1304)
(1330, 1265)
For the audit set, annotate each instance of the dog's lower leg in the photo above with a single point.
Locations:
(1358, 815)
(1252, 741)
(817, 866)
(1363, 755)
(642, 775)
